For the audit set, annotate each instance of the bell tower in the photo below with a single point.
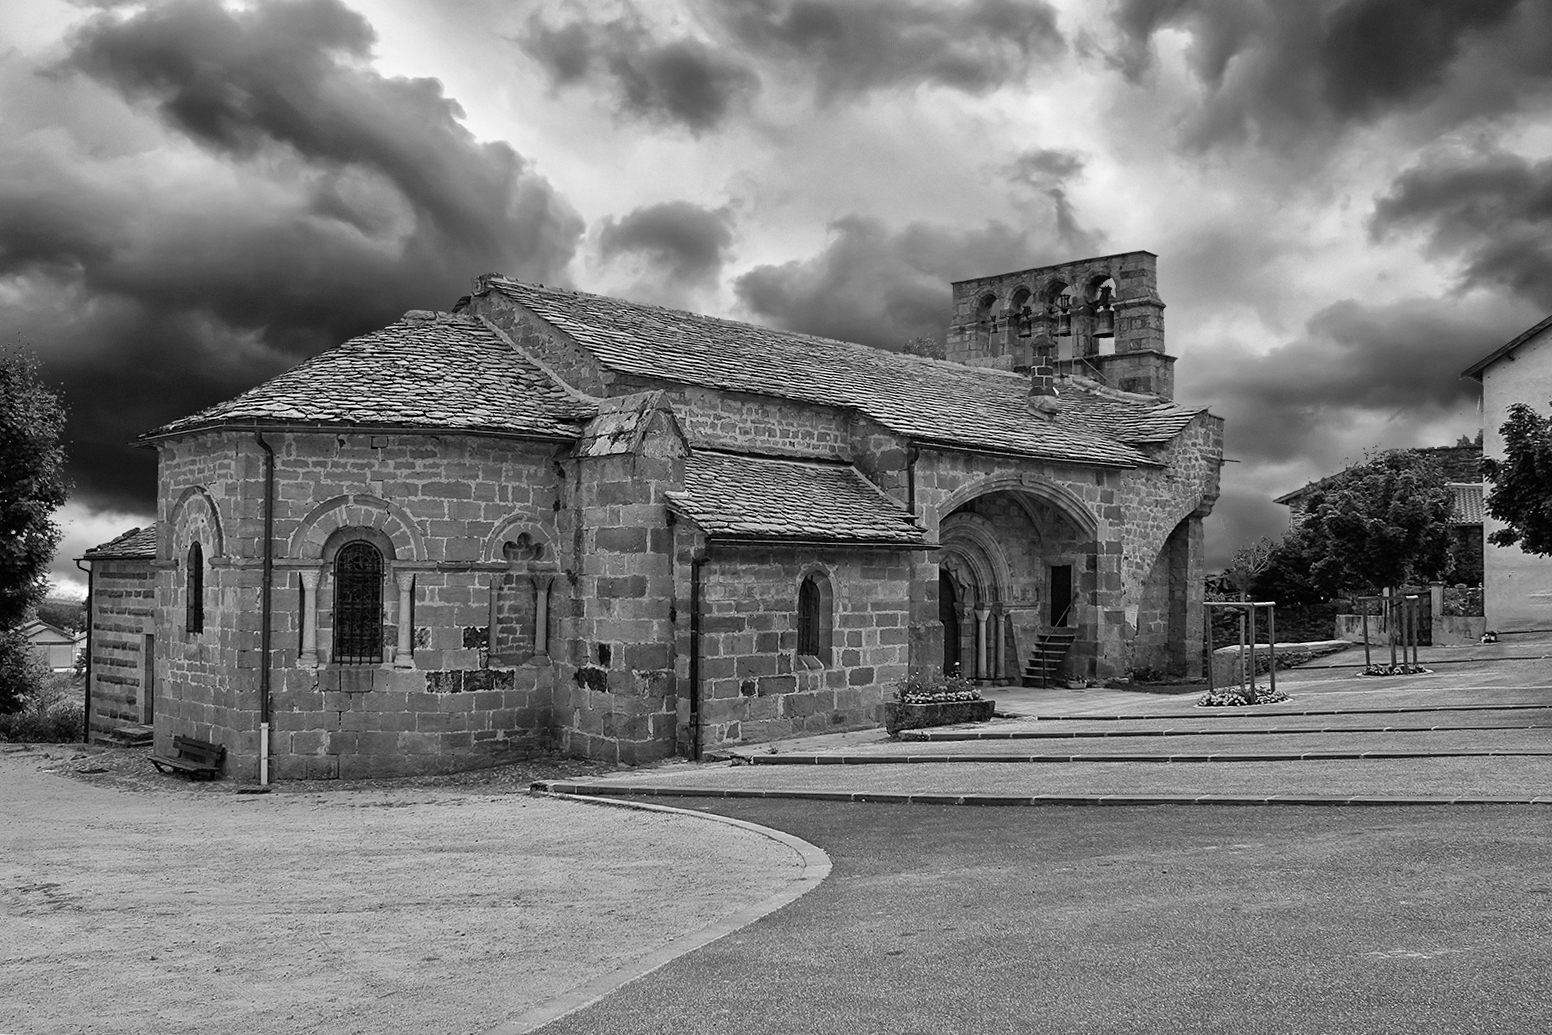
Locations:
(1100, 318)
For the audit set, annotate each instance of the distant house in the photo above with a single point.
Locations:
(54, 646)
(1462, 465)
(1517, 586)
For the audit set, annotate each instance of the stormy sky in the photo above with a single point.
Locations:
(1351, 199)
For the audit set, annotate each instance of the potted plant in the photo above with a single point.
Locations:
(923, 700)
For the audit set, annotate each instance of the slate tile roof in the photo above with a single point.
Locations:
(431, 370)
(759, 497)
(926, 399)
(137, 542)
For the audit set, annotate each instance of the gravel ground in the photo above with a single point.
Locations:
(148, 904)
(1429, 777)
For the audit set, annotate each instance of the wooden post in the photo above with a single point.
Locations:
(1271, 642)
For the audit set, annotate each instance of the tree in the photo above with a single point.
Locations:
(1385, 522)
(32, 487)
(1521, 496)
(932, 348)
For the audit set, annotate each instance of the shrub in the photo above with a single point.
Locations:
(59, 726)
(22, 673)
(1234, 696)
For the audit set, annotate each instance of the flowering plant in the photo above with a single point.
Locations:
(920, 688)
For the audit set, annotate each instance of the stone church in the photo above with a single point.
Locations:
(630, 532)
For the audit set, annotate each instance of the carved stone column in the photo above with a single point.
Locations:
(309, 656)
(981, 615)
(403, 655)
(999, 623)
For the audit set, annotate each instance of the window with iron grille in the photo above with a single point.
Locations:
(358, 604)
(194, 595)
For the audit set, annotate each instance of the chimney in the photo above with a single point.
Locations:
(1042, 380)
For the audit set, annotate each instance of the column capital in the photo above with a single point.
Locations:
(405, 580)
(310, 577)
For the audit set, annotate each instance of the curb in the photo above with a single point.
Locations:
(1231, 713)
(894, 798)
(1183, 731)
(1221, 756)
(816, 867)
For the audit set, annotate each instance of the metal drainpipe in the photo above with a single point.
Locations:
(264, 606)
(696, 564)
(86, 722)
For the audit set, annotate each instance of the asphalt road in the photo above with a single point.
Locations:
(1151, 919)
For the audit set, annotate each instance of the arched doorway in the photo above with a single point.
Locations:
(948, 614)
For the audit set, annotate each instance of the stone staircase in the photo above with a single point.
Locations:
(1044, 666)
(131, 735)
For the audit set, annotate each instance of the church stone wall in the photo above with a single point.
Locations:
(751, 423)
(440, 508)
(755, 686)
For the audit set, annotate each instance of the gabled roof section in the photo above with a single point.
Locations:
(925, 399)
(1474, 371)
(137, 542)
(621, 424)
(746, 497)
(427, 370)
(40, 633)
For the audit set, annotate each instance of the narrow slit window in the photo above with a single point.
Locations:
(814, 618)
(194, 602)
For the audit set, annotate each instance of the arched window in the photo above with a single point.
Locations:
(358, 604)
(194, 596)
(814, 622)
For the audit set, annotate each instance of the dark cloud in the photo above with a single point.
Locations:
(275, 197)
(1398, 364)
(848, 47)
(683, 80)
(685, 243)
(1277, 72)
(1047, 171)
(1492, 212)
(882, 288)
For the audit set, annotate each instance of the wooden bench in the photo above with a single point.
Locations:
(194, 758)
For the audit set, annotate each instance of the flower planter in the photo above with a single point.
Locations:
(899, 716)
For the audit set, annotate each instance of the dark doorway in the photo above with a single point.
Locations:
(948, 614)
(1061, 595)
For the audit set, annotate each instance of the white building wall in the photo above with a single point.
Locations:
(1517, 586)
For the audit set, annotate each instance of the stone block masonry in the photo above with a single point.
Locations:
(755, 685)
(123, 638)
(446, 513)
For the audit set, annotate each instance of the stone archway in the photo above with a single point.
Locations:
(973, 571)
(1016, 558)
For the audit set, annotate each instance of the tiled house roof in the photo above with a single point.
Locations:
(137, 542)
(925, 399)
(430, 370)
(757, 497)
(1468, 503)
(1459, 464)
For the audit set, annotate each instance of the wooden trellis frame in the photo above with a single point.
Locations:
(1247, 680)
